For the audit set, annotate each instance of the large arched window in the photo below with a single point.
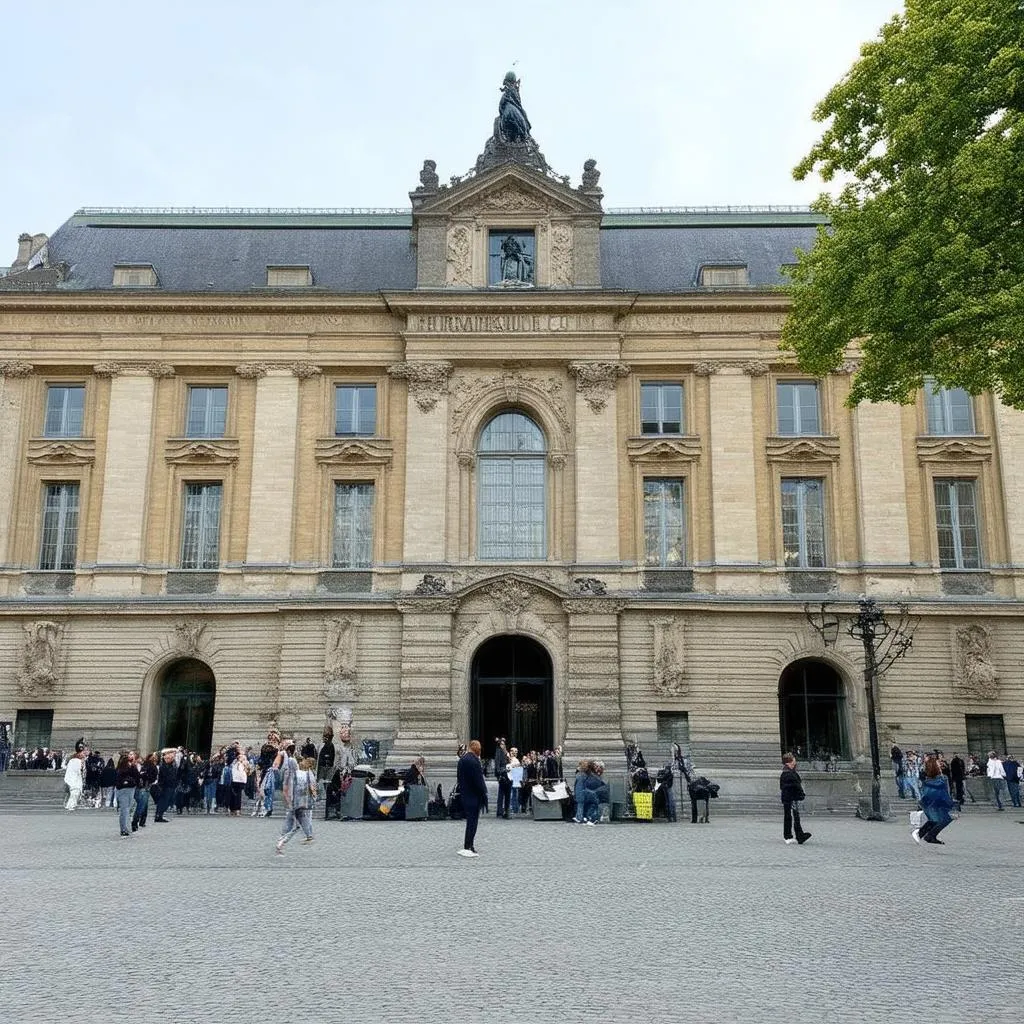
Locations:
(511, 502)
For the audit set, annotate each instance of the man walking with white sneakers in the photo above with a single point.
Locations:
(473, 791)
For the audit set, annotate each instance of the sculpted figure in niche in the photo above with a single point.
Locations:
(41, 672)
(977, 673)
(513, 124)
(516, 265)
(340, 655)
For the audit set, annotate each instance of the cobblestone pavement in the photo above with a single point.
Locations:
(380, 921)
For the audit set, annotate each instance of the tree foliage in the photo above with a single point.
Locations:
(923, 263)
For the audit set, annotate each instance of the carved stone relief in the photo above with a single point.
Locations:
(595, 381)
(15, 368)
(468, 390)
(340, 658)
(459, 272)
(428, 381)
(304, 371)
(430, 585)
(510, 596)
(561, 256)
(41, 669)
(252, 371)
(188, 634)
(510, 199)
(972, 657)
(669, 658)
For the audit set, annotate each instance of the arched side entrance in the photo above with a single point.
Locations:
(511, 694)
(187, 692)
(812, 711)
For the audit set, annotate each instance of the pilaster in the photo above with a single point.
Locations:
(1009, 431)
(272, 497)
(13, 382)
(125, 480)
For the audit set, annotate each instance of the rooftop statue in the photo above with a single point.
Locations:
(513, 124)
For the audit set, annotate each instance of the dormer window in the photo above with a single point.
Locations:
(289, 277)
(723, 275)
(511, 258)
(134, 275)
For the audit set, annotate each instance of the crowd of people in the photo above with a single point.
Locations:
(999, 777)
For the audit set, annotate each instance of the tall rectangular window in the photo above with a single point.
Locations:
(207, 412)
(661, 408)
(797, 404)
(956, 517)
(65, 410)
(59, 541)
(353, 524)
(355, 410)
(200, 537)
(950, 410)
(803, 523)
(664, 522)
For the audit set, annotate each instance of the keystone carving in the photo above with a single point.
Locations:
(595, 381)
(427, 381)
(41, 674)
(972, 652)
(511, 384)
(188, 634)
(510, 596)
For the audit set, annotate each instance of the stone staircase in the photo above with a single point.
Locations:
(31, 791)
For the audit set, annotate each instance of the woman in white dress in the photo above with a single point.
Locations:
(74, 779)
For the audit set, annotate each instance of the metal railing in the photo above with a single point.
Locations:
(239, 211)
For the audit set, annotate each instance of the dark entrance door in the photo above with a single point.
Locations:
(186, 706)
(512, 695)
(812, 713)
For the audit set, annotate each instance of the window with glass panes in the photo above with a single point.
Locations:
(956, 519)
(985, 733)
(355, 410)
(353, 524)
(803, 523)
(950, 410)
(207, 412)
(59, 541)
(661, 408)
(200, 538)
(664, 522)
(65, 410)
(511, 499)
(797, 406)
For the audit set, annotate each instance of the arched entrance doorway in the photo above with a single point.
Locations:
(187, 690)
(511, 694)
(812, 711)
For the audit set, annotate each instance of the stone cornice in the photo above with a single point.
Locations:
(823, 448)
(970, 448)
(427, 605)
(592, 606)
(49, 451)
(201, 451)
(684, 448)
(348, 450)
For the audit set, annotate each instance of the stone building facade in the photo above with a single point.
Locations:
(502, 462)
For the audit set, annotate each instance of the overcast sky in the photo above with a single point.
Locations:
(299, 103)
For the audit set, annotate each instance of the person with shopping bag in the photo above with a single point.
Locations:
(936, 802)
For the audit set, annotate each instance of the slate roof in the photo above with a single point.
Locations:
(649, 251)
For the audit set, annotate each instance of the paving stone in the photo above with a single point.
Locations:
(197, 920)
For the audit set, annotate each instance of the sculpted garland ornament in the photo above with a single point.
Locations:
(427, 381)
(595, 381)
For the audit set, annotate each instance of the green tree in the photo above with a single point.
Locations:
(923, 263)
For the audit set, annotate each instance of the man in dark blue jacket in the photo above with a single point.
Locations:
(473, 790)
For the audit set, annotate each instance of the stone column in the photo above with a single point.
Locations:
(13, 379)
(425, 687)
(881, 484)
(426, 462)
(272, 493)
(733, 497)
(590, 691)
(597, 462)
(125, 477)
(1009, 438)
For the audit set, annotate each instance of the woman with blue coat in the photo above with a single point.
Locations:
(936, 803)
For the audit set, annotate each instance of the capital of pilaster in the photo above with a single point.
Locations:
(705, 368)
(160, 370)
(755, 368)
(467, 459)
(595, 381)
(107, 369)
(304, 371)
(15, 368)
(427, 381)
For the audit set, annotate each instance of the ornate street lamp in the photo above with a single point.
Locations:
(884, 643)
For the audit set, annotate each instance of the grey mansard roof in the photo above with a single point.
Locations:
(647, 251)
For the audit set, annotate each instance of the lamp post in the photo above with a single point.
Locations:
(883, 644)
